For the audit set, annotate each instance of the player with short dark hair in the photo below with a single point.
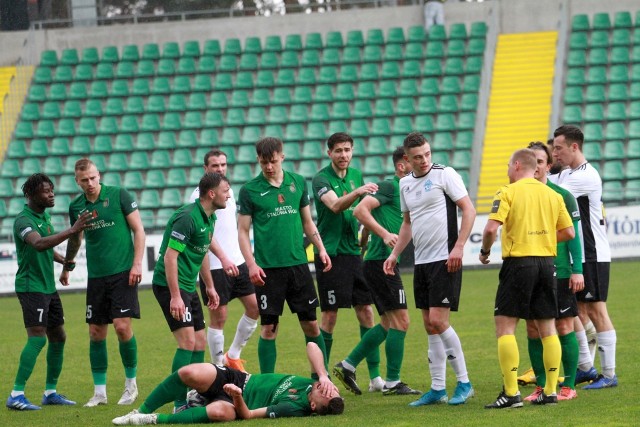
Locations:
(276, 202)
(230, 276)
(182, 257)
(337, 190)
(114, 270)
(35, 287)
(225, 394)
(430, 197)
(533, 219)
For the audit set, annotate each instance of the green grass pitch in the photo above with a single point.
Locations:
(474, 324)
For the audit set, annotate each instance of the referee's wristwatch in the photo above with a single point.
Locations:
(485, 253)
(68, 265)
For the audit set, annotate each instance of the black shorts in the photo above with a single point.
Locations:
(227, 287)
(387, 291)
(225, 375)
(596, 282)
(434, 286)
(193, 318)
(343, 286)
(111, 297)
(527, 288)
(567, 303)
(292, 284)
(40, 309)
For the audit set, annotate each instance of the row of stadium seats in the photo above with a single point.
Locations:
(273, 43)
(602, 21)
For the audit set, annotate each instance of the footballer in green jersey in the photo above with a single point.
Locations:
(277, 203)
(35, 287)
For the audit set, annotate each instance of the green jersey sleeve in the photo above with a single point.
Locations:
(320, 185)
(245, 206)
(181, 232)
(287, 409)
(128, 203)
(385, 193)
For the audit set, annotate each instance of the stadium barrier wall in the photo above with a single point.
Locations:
(623, 231)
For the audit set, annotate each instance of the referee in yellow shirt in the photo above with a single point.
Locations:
(533, 219)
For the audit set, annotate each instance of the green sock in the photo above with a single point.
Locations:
(98, 361)
(537, 363)
(373, 357)
(394, 349)
(28, 358)
(169, 389)
(570, 353)
(180, 359)
(189, 416)
(371, 340)
(267, 355)
(328, 343)
(129, 356)
(55, 356)
(197, 356)
(319, 340)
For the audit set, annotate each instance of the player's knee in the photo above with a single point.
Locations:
(188, 374)
(217, 412)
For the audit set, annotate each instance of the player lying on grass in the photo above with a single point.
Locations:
(227, 394)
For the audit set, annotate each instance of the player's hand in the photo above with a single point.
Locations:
(232, 390)
(576, 283)
(390, 240)
(484, 259)
(82, 222)
(214, 298)
(257, 275)
(454, 263)
(64, 278)
(368, 188)
(390, 265)
(326, 260)
(326, 387)
(177, 309)
(135, 274)
(229, 268)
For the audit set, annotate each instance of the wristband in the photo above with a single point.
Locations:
(485, 253)
(68, 266)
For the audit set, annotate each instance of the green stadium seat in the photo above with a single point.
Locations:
(592, 151)
(171, 122)
(129, 124)
(170, 50)
(130, 53)
(150, 123)
(230, 136)
(273, 43)
(387, 89)
(46, 129)
(108, 125)
(601, 21)
(593, 132)
(268, 61)
(176, 177)
(239, 98)
(366, 90)
(211, 48)
(621, 37)
(414, 51)
(620, 55)
(30, 166)
(181, 84)
(38, 148)
(6, 190)
(192, 120)
(633, 169)
(232, 46)
(63, 74)
(580, 22)
(369, 71)
(577, 58)
(437, 32)
(228, 63)
(256, 116)
(89, 55)
(372, 53)
(632, 190)
(218, 100)
(619, 74)
(38, 93)
(383, 108)
(10, 168)
(622, 20)
(424, 124)
(235, 117)
(148, 198)
(458, 31)
(351, 55)
(186, 66)
(286, 77)
(456, 48)
(241, 173)
(470, 83)
(595, 93)
(166, 67)
(16, 205)
(317, 130)
(155, 104)
(313, 41)
(453, 66)
(390, 70)
(49, 58)
(223, 81)
(393, 52)
(344, 92)
(298, 113)
(264, 79)
(140, 86)
(293, 42)
(50, 110)
(573, 95)
(160, 159)
(213, 118)
(354, 39)
(572, 114)
(291, 150)
(373, 165)
(416, 34)
(42, 75)
(613, 170)
(432, 68)
(246, 154)
(151, 51)
(69, 57)
(177, 102)
(599, 39)
(380, 126)
(294, 132)
(134, 105)
(197, 101)
(334, 40)
(277, 115)
(598, 56)
(476, 47)
(478, 30)
(361, 110)
(17, 150)
(616, 111)
(442, 141)
(615, 130)
(427, 105)
(596, 75)
(614, 150)
(281, 96)
(206, 65)
(114, 106)
(208, 137)
(187, 138)
(634, 110)
(123, 142)
(578, 41)
(251, 134)
(593, 112)
(435, 50)
(634, 129)
(448, 104)
(450, 85)
(102, 144)
(24, 130)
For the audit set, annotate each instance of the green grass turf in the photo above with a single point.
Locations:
(474, 324)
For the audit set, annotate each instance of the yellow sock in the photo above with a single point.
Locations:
(509, 359)
(552, 355)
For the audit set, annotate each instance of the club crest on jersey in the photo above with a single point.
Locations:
(106, 203)
(428, 185)
(280, 198)
(292, 188)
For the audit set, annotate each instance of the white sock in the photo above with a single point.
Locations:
(215, 339)
(49, 392)
(246, 327)
(607, 349)
(455, 356)
(591, 332)
(130, 382)
(348, 366)
(16, 393)
(584, 356)
(100, 389)
(437, 362)
(391, 384)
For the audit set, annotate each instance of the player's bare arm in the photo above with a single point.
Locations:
(404, 237)
(488, 237)
(311, 231)
(176, 306)
(256, 274)
(139, 236)
(205, 274)
(363, 213)
(454, 263)
(338, 204)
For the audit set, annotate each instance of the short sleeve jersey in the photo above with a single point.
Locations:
(189, 232)
(564, 262)
(530, 213)
(431, 203)
(586, 186)
(35, 268)
(388, 215)
(277, 222)
(283, 395)
(108, 237)
(225, 232)
(339, 231)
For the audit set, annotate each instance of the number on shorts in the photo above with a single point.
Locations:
(187, 314)
(263, 302)
(89, 312)
(402, 296)
(41, 311)
(331, 297)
